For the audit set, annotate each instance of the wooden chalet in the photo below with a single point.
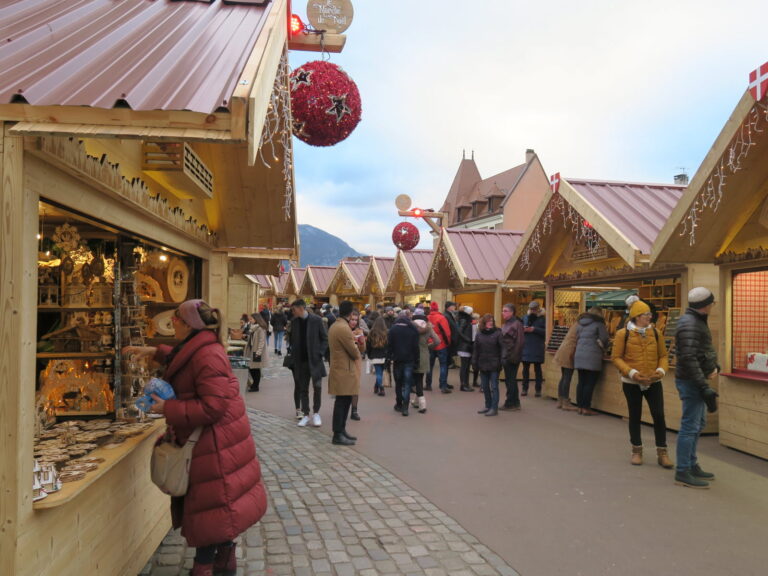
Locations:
(374, 286)
(723, 219)
(294, 284)
(409, 276)
(471, 264)
(316, 283)
(590, 241)
(146, 156)
(347, 283)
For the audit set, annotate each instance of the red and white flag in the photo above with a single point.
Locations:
(554, 182)
(758, 82)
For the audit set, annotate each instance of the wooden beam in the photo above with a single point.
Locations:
(258, 253)
(271, 45)
(311, 42)
(18, 326)
(130, 121)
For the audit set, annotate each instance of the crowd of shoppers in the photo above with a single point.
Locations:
(401, 346)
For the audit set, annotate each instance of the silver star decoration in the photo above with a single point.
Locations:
(301, 77)
(339, 107)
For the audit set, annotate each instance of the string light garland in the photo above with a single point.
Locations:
(731, 162)
(583, 231)
(276, 133)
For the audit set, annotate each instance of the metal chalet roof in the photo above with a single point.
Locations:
(384, 265)
(484, 254)
(358, 270)
(638, 211)
(320, 277)
(141, 54)
(418, 262)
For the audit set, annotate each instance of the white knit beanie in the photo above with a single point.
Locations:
(700, 297)
(468, 310)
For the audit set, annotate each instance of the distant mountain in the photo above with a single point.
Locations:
(318, 248)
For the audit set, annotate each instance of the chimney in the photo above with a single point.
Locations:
(529, 155)
(681, 179)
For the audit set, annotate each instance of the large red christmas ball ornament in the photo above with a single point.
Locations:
(325, 103)
(405, 236)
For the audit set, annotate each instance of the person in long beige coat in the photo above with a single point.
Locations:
(564, 357)
(344, 376)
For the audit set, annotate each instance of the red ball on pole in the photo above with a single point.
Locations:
(325, 103)
(406, 236)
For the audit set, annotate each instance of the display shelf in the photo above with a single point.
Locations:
(753, 375)
(74, 309)
(112, 456)
(46, 355)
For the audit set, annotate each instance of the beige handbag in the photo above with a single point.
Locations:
(170, 465)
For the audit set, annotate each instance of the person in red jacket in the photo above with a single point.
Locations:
(226, 494)
(443, 330)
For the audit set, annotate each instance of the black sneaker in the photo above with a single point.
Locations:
(685, 478)
(450, 386)
(697, 472)
(445, 390)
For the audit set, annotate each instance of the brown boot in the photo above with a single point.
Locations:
(567, 406)
(663, 458)
(637, 455)
(559, 403)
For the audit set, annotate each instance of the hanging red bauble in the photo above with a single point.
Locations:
(325, 103)
(405, 236)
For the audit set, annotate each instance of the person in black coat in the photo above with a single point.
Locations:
(453, 324)
(404, 353)
(464, 345)
(695, 369)
(487, 354)
(308, 341)
(278, 327)
(535, 330)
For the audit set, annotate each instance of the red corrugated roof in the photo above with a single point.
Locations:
(321, 276)
(282, 280)
(298, 276)
(158, 55)
(419, 261)
(358, 271)
(384, 266)
(484, 254)
(638, 211)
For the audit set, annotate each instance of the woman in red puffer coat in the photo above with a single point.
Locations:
(226, 494)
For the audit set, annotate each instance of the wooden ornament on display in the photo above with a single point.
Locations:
(333, 16)
(162, 323)
(177, 280)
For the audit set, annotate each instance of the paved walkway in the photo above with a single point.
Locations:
(334, 511)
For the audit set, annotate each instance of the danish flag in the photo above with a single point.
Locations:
(554, 182)
(758, 82)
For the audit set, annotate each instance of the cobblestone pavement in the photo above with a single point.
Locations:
(335, 512)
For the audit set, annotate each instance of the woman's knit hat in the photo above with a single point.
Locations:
(189, 312)
(700, 297)
(468, 310)
(434, 307)
(638, 308)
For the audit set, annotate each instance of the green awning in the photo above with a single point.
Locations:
(612, 299)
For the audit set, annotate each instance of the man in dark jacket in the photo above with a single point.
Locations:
(696, 367)
(278, 322)
(463, 340)
(535, 329)
(309, 341)
(266, 313)
(512, 338)
(404, 353)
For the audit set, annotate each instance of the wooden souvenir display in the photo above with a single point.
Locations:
(101, 295)
(71, 388)
(75, 295)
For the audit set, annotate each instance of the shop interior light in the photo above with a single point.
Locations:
(297, 26)
(163, 258)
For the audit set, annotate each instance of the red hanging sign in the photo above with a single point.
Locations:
(758, 82)
(554, 182)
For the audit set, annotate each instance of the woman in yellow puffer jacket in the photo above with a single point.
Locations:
(640, 355)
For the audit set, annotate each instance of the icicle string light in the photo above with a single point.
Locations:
(731, 162)
(583, 232)
(276, 134)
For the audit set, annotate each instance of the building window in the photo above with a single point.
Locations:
(458, 215)
(750, 319)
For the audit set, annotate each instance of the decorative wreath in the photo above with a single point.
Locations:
(66, 238)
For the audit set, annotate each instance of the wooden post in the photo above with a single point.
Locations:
(18, 301)
(217, 282)
(498, 302)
